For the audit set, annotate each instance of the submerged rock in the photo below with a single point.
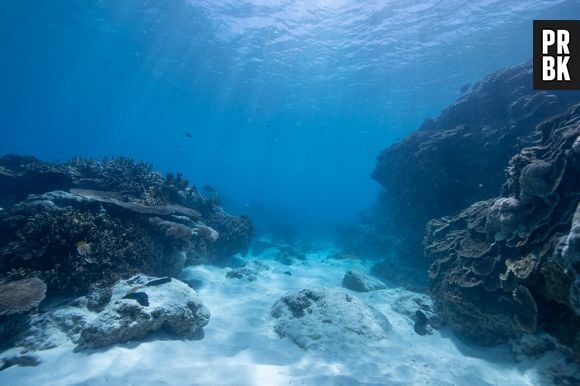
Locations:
(359, 282)
(330, 320)
(172, 307)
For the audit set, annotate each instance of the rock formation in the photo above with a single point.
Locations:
(170, 306)
(86, 223)
(508, 265)
(459, 158)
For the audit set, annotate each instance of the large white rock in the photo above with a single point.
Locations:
(329, 320)
(171, 306)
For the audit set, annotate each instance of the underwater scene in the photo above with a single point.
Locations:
(288, 192)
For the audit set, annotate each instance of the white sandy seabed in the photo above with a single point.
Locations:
(240, 347)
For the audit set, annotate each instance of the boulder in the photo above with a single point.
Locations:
(164, 305)
(329, 320)
(359, 282)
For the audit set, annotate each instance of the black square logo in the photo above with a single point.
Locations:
(557, 54)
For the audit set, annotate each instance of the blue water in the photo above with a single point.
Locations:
(287, 103)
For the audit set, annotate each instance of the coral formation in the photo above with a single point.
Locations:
(460, 157)
(505, 266)
(106, 221)
(21, 295)
(17, 299)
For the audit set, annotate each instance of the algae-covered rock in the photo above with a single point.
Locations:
(171, 306)
(359, 282)
(329, 320)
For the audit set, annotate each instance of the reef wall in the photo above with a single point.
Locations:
(85, 223)
(492, 189)
(508, 265)
(460, 157)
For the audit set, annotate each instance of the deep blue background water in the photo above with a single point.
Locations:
(287, 102)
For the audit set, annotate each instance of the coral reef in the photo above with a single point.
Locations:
(505, 266)
(460, 157)
(235, 233)
(90, 223)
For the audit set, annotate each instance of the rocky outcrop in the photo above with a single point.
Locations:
(359, 282)
(460, 157)
(97, 222)
(130, 310)
(141, 305)
(508, 265)
(329, 320)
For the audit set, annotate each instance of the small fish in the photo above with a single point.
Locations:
(464, 88)
(189, 135)
(84, 248)
(141, 297)
(155, 282)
